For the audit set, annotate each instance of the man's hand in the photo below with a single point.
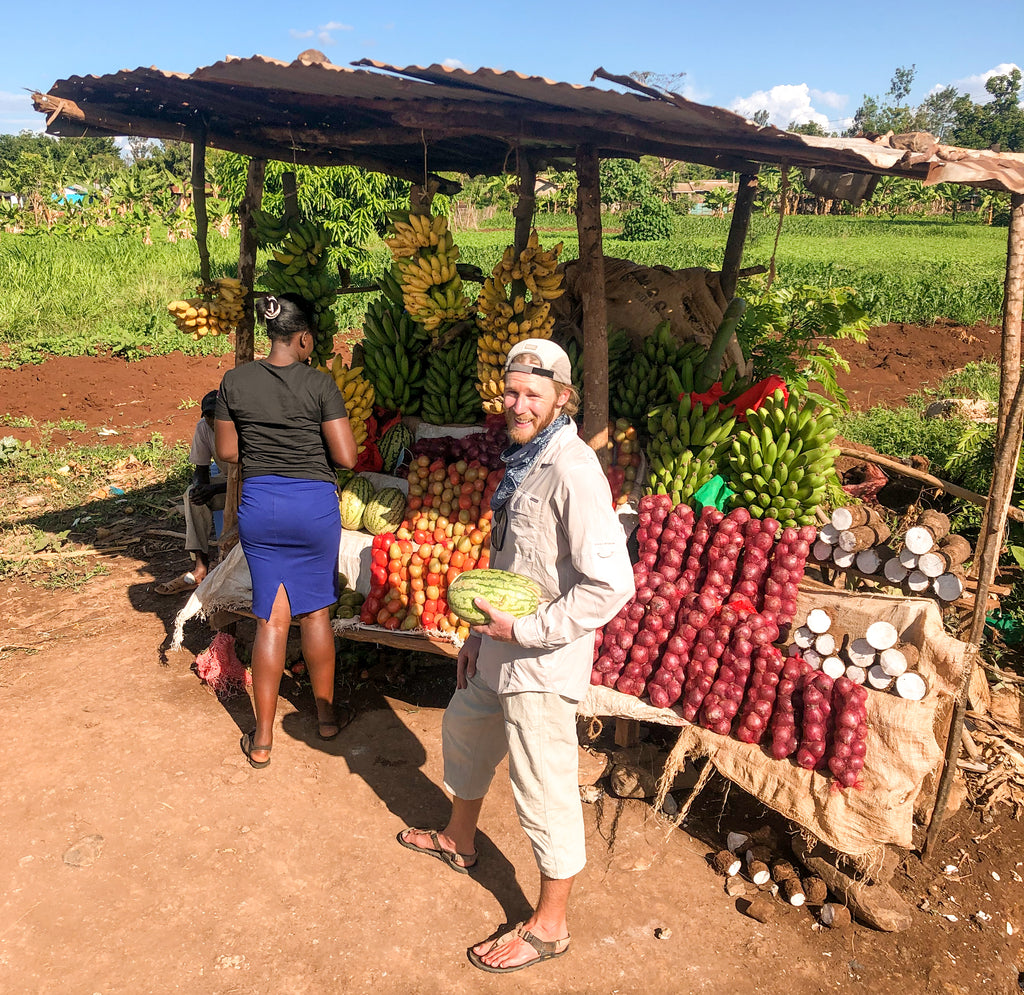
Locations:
(201, 493)
(466, 666)
(500, 625)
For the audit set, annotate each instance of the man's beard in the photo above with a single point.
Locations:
(520, 434)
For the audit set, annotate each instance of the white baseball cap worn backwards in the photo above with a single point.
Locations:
(554, 361)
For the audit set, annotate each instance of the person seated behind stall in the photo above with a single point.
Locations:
(204, 502)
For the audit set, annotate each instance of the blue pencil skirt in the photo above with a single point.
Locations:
(290, 530)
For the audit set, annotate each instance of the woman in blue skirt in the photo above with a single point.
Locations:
(286, 423)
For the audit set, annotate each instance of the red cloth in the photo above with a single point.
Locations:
(752, 397)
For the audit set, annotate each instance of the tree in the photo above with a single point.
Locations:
(351, 202)
(760, 117)
(807, 128)
(999, 123)
(937, 113)
(893, 114)
(625, 183)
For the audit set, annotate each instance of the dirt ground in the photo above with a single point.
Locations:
(140, 853)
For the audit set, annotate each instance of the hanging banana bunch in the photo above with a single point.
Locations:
(358, 394)
(504, 319)
(394, 348)
(299, 267)
(425, 253)
(450, 396)
(215, 311)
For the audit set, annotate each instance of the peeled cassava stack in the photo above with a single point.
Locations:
(852, 516)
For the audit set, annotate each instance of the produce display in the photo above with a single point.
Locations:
(780, 464)
(514, 304)
(445, 532)
(352, 501)
(393, 446)
(215, 311)
(425, 254)
(300, 267)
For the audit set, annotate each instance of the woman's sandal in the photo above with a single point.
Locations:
(449, 857)
(248, 747)
(546, 950)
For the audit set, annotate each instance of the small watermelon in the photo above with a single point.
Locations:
(393, 444)
(384, 511)
(355, 495)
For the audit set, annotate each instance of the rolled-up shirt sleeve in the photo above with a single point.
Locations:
(599, 558)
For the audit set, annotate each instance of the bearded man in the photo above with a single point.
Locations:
(519, 680)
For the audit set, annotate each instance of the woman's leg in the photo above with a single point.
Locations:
(268, 654)
(318, 652)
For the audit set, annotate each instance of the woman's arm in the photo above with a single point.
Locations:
(225, 441)
(341, 444)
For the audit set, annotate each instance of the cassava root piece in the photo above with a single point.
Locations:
(758, 872)
(815, 889)
(852, 516)
(727, 863)
(894, 571)
(881, 635)
(762, 908)
(930, 528)
(949, 586)
(782, 869)
(835, 916)
(792, 891)
(863, 537)
(868, 561)
(818, 621)
(911, 686)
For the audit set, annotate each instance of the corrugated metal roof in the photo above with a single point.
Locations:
(385, 117)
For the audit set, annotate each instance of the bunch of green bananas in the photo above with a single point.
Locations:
(269, 229)
(648, 380)
(449, 392)
(780, 466)
(393, 349)
(686, 442)
(300, 267)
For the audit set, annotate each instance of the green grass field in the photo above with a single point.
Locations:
(77, 296)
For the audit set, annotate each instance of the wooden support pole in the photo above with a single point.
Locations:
(526, 203)
(245, 331)
(993, 524)
(738, 233)
(199, 200)
(290, 190)
(592, 296)
(1013, 311)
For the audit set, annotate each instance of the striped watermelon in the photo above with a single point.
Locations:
(384, 511)
(392, 444)
(355, 495)
(507, 591)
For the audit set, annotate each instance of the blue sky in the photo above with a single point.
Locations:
(799, 60)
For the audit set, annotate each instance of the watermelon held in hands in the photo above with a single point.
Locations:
(507, 591)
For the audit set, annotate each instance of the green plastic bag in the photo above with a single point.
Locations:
(715, 494)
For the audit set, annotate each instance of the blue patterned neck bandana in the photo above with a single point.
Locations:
(519, 460)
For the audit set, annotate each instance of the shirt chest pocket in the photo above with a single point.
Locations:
(527, 527)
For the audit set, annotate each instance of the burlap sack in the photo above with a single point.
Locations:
(905, 738)
(638, 298)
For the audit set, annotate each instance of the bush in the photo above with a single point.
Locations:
(650, 222)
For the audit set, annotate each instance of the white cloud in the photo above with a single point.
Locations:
(324, 33)
(829, 98)
(787, 102)
(974, 86)
(453, 64)
(16, 114)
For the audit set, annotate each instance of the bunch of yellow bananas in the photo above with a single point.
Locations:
(504, 319)
(358, 393)
(216, 310)
(425, 253)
